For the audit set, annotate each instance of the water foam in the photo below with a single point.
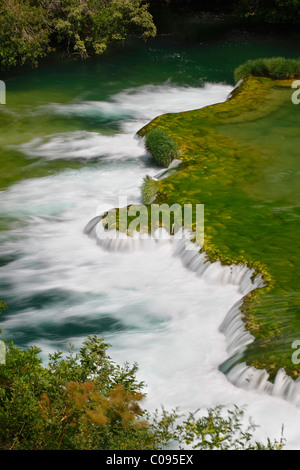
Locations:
(233, 326)
(132, 109)
(146, 303)
(248, 377)
(197, 331)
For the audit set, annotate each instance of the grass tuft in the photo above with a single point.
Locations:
(149, 188)
(277, 68)
(161, 146)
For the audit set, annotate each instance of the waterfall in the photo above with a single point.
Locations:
(192, 258)
(156, 301)
(248, 377)
(232, 327)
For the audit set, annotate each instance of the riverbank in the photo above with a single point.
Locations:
(240, 161)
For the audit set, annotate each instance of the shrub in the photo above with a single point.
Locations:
(277, 68)
(149, 189)
(161, 146)
(85, 401)
(29, 29)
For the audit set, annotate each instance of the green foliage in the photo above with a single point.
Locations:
(24, 33)
(161, 146)
(277, 68)
(86, 27)
(86, 401)
(149, 189)
(29, 29)
(222, 430)
(271, 11)
(83, 401)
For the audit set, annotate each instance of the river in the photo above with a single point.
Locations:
(69, 152)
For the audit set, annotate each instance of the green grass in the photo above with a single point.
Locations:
(161, 146)
(277, 68)
(240, 160)
(149, 188)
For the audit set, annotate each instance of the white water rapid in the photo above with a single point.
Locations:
(162, 306)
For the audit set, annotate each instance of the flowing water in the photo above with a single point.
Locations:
(68, 152)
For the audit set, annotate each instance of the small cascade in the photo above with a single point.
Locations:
(192, 258)
(235, 331)
(251, 378)
(233, 326)
(113, 240)
(248, 377)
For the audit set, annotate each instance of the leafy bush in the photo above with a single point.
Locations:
(24, 33)
(29, 29)
(161, 146)
(82, 401)
(149, 189)
(223, 430)
(85, 401)
(277, 68)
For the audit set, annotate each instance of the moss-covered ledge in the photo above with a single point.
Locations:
(240, 160)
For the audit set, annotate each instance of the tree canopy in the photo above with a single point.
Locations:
(30, 29)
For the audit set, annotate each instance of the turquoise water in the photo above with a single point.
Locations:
(67, 153)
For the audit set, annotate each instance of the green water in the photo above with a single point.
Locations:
(202, 50)
(192, 57)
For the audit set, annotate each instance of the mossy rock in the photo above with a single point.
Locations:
(239, 159)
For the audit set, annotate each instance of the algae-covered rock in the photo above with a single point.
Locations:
(240, 159)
